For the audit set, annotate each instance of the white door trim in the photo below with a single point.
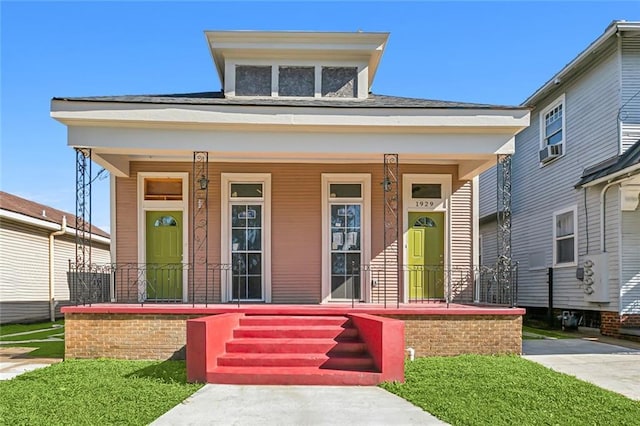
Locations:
(365, 180)
(410, 204)
(164, 205)
(225, 235)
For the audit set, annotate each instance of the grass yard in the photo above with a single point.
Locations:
(93, 392)
(557, 334)
(18, 335)
(508, 390)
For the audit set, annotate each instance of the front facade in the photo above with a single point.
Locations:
(38, 242)
(576, 180)
(295, 184)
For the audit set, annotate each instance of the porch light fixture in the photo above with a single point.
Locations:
(204, 182)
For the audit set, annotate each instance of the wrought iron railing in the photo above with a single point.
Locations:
(180, 283)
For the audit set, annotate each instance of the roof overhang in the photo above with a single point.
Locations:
(616, 28)
(623, 174)
(296, 45)
(119, 133)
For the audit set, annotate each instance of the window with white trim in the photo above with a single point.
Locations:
(565, 242)
(553, 130)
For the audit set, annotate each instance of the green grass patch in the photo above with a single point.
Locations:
(549, 333)
(41, 349)
(508, 390)
(93, 392)
(19, 328)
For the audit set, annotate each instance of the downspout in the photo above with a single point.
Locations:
(52, 270)
(603, 209)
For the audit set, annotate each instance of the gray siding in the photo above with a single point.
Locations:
(591, 105)
(487, 193)
(630, 135)
(630, 268)
(24, 270)
(630, 72)
(489, 244)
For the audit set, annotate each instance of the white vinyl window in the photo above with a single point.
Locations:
(565, 242)
(553, 130)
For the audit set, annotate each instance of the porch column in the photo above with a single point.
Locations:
(198, 273)
(391, 218)
(504, 268)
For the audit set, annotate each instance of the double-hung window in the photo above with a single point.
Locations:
(564, 237)
(552, 130)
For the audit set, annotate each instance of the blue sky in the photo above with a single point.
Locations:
(490, 52)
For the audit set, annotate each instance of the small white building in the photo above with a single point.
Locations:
(36, 244)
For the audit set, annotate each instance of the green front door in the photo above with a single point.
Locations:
(425, 255)
(164, 255)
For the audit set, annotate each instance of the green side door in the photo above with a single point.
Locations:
(164, 255)
(425, 255)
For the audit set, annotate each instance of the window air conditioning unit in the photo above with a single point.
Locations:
(550, 152)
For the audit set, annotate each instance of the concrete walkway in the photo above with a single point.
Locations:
(295, 405)
(15, 361)
(612, 367)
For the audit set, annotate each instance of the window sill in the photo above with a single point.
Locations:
(566, 265)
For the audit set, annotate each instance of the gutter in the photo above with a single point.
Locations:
(52, 269)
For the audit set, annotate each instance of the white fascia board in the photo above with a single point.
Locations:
(166, 142)
(44, 224)
(217, 116)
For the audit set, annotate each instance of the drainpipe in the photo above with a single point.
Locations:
(52, 269)
(603, 209)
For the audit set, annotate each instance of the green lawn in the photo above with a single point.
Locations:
(27, 332)
(509, 390)
(549, 333)
(94, 392)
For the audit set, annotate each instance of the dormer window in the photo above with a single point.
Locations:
(340, 82)
(298, 81)
(253, 80)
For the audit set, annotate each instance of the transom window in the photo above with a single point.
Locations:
(564, 235)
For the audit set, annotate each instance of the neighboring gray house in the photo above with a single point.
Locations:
(36, 244)
(575, 188)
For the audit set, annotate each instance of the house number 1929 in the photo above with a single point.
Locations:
(425, 203)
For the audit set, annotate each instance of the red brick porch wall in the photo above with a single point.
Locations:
(448, 335)
(163, 336)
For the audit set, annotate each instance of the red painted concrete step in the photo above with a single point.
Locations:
(295, 345)
(302, 349)
(273, 320)
(295, 331)
(291, 376)
(335, 361)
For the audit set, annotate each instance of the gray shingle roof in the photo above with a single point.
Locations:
(612, 165)
(218, 98)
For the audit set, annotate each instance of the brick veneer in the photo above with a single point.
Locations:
(611, 322)
(125, 336)
(447, 335)
(163, 336)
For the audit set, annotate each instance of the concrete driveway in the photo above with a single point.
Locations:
(15, 361)
(612, 367)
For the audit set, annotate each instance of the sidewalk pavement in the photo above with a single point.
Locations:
(14, 361)
(295, 405)
(609, 366)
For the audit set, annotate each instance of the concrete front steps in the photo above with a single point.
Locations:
(295, 350)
